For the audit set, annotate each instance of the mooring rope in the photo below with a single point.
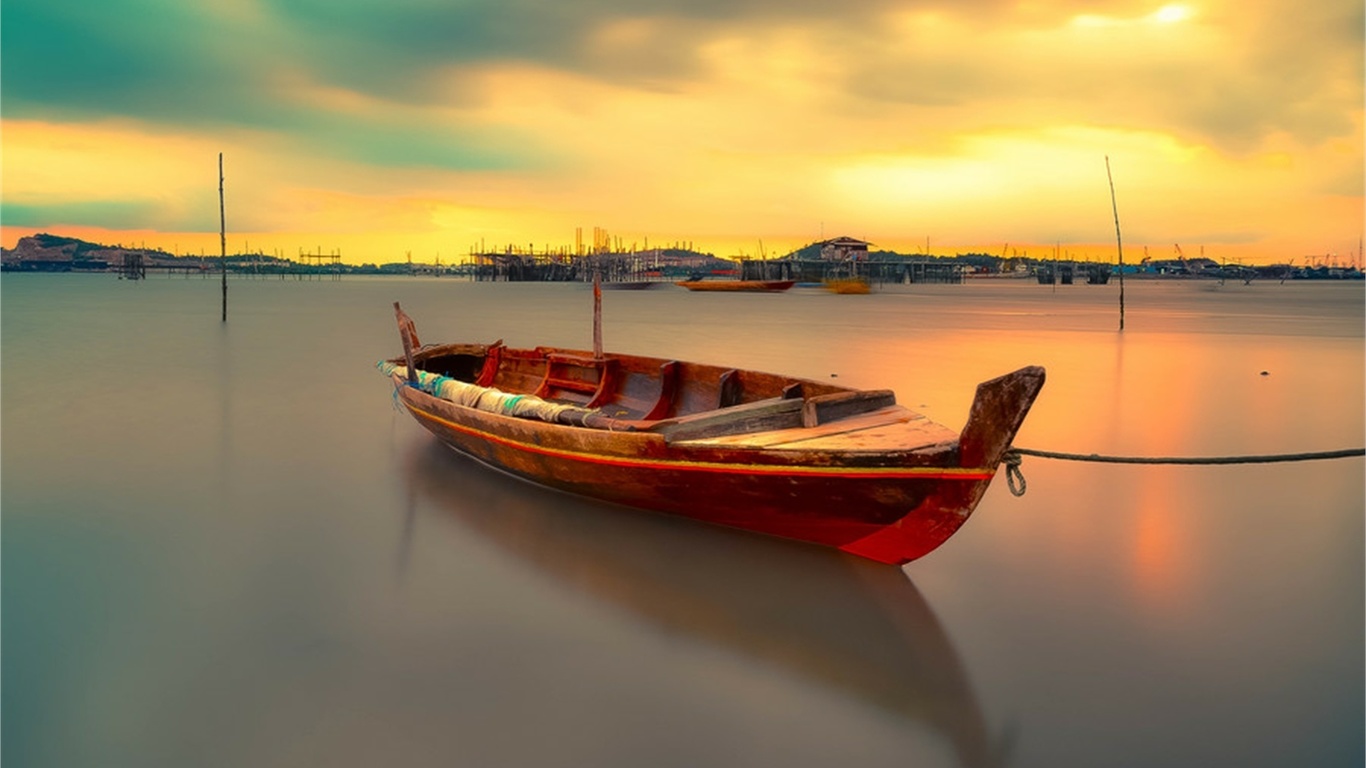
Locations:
(1013, 457)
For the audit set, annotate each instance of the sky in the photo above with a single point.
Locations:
(427, 129)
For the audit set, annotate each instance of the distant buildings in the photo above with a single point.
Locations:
(1196, 266)
(843, 249)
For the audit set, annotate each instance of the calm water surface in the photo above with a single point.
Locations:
(223, 546)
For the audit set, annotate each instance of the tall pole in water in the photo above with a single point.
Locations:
(1119, 242)
(223, 237)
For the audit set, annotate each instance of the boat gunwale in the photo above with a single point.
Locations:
(649, 449)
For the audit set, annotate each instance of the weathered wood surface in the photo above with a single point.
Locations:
(916, 435)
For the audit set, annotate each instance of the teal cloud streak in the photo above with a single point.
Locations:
(162, 61)
(141, 58)
(110, 214)
(382, 142)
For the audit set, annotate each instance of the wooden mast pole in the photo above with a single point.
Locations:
(597, 315)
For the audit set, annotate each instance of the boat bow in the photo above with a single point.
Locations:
(998, 410)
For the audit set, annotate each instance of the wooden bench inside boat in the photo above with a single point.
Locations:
(595, 377)
(772, 414)
(910, 431)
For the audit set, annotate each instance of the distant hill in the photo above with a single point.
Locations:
(45, 251)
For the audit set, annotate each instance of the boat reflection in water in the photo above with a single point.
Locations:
(838, 620)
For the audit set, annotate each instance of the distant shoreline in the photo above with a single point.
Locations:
(1328, 277)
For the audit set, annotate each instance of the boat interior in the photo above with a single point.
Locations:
(686, 401)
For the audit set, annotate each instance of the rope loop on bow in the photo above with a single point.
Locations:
(1015, 479)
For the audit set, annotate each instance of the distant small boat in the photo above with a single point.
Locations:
(633, 285)
(752, 286)
(789, 457)
(851, 285)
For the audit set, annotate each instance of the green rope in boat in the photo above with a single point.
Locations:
(484, 398)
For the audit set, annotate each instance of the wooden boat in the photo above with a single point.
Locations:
(796, 458)
(753, 286)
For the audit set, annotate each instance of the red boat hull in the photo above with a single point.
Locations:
(893, 511)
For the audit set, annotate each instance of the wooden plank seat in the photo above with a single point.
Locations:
(565, 373)
(894, 424)
(775, 413)
(821, 409)
(781, 437)
(758, 416)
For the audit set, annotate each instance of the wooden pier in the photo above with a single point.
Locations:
(612, 266)
(322, 264)
(132, 267)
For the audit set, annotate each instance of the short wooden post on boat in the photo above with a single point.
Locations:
(407, 332)
(597, 315)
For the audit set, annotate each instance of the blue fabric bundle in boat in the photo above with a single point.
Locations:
(485, 398)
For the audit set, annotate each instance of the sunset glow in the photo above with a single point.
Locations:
(430, 129)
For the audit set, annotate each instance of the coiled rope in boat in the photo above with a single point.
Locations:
(487, 398)
(1015, 480)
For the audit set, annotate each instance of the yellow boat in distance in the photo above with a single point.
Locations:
(848, 285)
